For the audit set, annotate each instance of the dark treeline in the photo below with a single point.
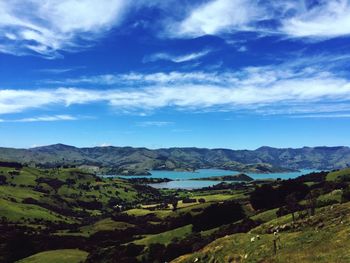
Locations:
(269, 196)
(11, 165)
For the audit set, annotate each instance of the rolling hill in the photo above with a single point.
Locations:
(129, 160)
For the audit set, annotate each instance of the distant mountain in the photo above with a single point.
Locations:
(129, 160)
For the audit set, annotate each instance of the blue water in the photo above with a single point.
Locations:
(181, 179)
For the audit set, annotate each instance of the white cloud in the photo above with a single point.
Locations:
(328, 19)
(133, 78)
(304, 85)
(48, 118)
(176, 58)
(62, 117)
(298, 19)
(46, 27)
(217, 16)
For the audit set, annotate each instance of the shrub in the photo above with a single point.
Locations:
(189, 200)
(2, 180)
(201, 200)
(346, 195)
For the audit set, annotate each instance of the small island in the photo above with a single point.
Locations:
(237, 178)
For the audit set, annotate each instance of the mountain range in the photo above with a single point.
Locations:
(129, 160)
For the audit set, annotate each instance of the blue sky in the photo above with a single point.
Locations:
(214, 73)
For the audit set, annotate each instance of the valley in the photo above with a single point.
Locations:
(53, 211)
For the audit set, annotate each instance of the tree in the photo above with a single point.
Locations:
(174, 203)
(292, 204)
(311, 202)
(264, 197)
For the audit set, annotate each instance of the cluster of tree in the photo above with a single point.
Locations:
(11, 165)
(18, 241)
(218, 214)
(188, 200)
(312, 177)
(145, 180)
(269, 196)
(224, 186)
(54, 183)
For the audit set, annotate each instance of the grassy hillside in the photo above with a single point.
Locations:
(339, 175)
(60, 194)
(165, 238)
(321, 238)
(57, 256)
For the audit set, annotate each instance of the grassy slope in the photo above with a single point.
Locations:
(57, 256)
(334, 176)
(106, 224)
(165, 238)
(186, 207)
(18, 212)
(307, 243)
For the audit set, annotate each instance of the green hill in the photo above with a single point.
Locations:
(128, 160)
(60, 195)
(339, 175)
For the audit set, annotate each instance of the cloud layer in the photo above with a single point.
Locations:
(305, 85)
(47, 27)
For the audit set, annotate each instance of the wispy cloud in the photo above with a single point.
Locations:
(44, 119)
(302, 85)
(58, 70)
(154, 123)
(327, 116)
(217, 17)
(325, 20)
(297, 19)
(47, 27)
(176, 58)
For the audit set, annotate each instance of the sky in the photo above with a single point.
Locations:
(236, 74)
